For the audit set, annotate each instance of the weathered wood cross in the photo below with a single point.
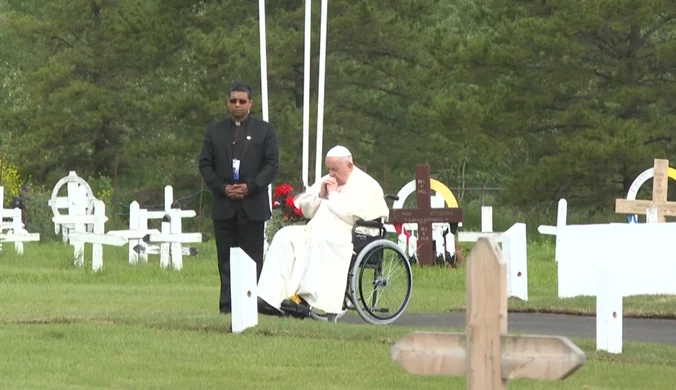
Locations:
(486, 355)
(425, 215)
(659, 201)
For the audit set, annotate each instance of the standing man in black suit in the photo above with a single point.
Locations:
(239, 160)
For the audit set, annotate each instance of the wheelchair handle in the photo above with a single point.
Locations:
(391, 197)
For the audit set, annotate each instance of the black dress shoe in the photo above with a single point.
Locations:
(267, 309)
(295, 310)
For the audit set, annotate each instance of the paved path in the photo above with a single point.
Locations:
(634, 329)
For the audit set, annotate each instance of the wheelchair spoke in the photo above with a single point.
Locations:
(380, 283)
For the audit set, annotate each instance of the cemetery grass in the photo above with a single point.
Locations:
(141, 327)
(436, 289)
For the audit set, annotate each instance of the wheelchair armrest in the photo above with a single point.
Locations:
(391, 197)
(368, 224)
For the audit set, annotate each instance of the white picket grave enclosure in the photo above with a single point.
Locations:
(78, 235)
(599, 260)
(243, 291)
(72, 182)
(514, 245)
(12, 228)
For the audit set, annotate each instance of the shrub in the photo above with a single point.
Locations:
(10, 179)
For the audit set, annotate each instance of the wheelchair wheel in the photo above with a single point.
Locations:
(381, 282)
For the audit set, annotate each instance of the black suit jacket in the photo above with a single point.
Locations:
(259, 164)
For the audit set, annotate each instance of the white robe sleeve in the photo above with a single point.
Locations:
(352, 208)
(309, 201)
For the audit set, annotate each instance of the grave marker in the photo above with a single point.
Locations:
(70, 201)
(170, 250)
(609, 312)
(243, 290)
(138, 228)
(425, 215)
(98, 238)
(173, 238)
(486, 228)
(659, 201)
(561, 220)
(15, 228)
(486, 355)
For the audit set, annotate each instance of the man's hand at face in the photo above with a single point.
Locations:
(326, 183)
(323, 192)
(331, 185)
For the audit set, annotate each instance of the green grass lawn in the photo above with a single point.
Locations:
(141, 327)
(436, 289)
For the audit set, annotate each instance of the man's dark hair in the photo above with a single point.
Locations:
(241, 87)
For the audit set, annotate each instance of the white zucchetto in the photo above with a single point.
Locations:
(338, 151)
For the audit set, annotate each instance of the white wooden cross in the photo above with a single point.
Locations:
(486, 228)
(659, 201)
(98, 238)
(175, 237)
(561, 219)
(170, 238)
(486, 355)
(138, 228)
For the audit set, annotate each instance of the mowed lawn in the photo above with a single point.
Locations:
(143, 327)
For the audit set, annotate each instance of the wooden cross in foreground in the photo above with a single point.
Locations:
(486, 355)
(425, 215)
(659, 201)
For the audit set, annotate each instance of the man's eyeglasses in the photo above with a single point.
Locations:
(241, 101)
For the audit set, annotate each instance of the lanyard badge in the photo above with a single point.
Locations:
(235, 168)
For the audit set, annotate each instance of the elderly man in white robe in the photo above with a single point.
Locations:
(306, 266)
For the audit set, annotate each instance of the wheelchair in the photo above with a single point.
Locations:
(373, 275)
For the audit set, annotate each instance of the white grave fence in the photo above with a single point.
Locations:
(12, 228)
(78, 234)
(514, 246)
(612, 261)
(70, 202)
(243, 290)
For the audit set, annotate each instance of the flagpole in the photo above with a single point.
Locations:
(264, 60)
(306, 94)
(264, 90)
(320, 103)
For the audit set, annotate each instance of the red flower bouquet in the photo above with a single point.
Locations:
(283, 201)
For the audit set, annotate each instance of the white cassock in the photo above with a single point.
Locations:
(312, 260)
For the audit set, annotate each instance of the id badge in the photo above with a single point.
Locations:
(235, 168)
